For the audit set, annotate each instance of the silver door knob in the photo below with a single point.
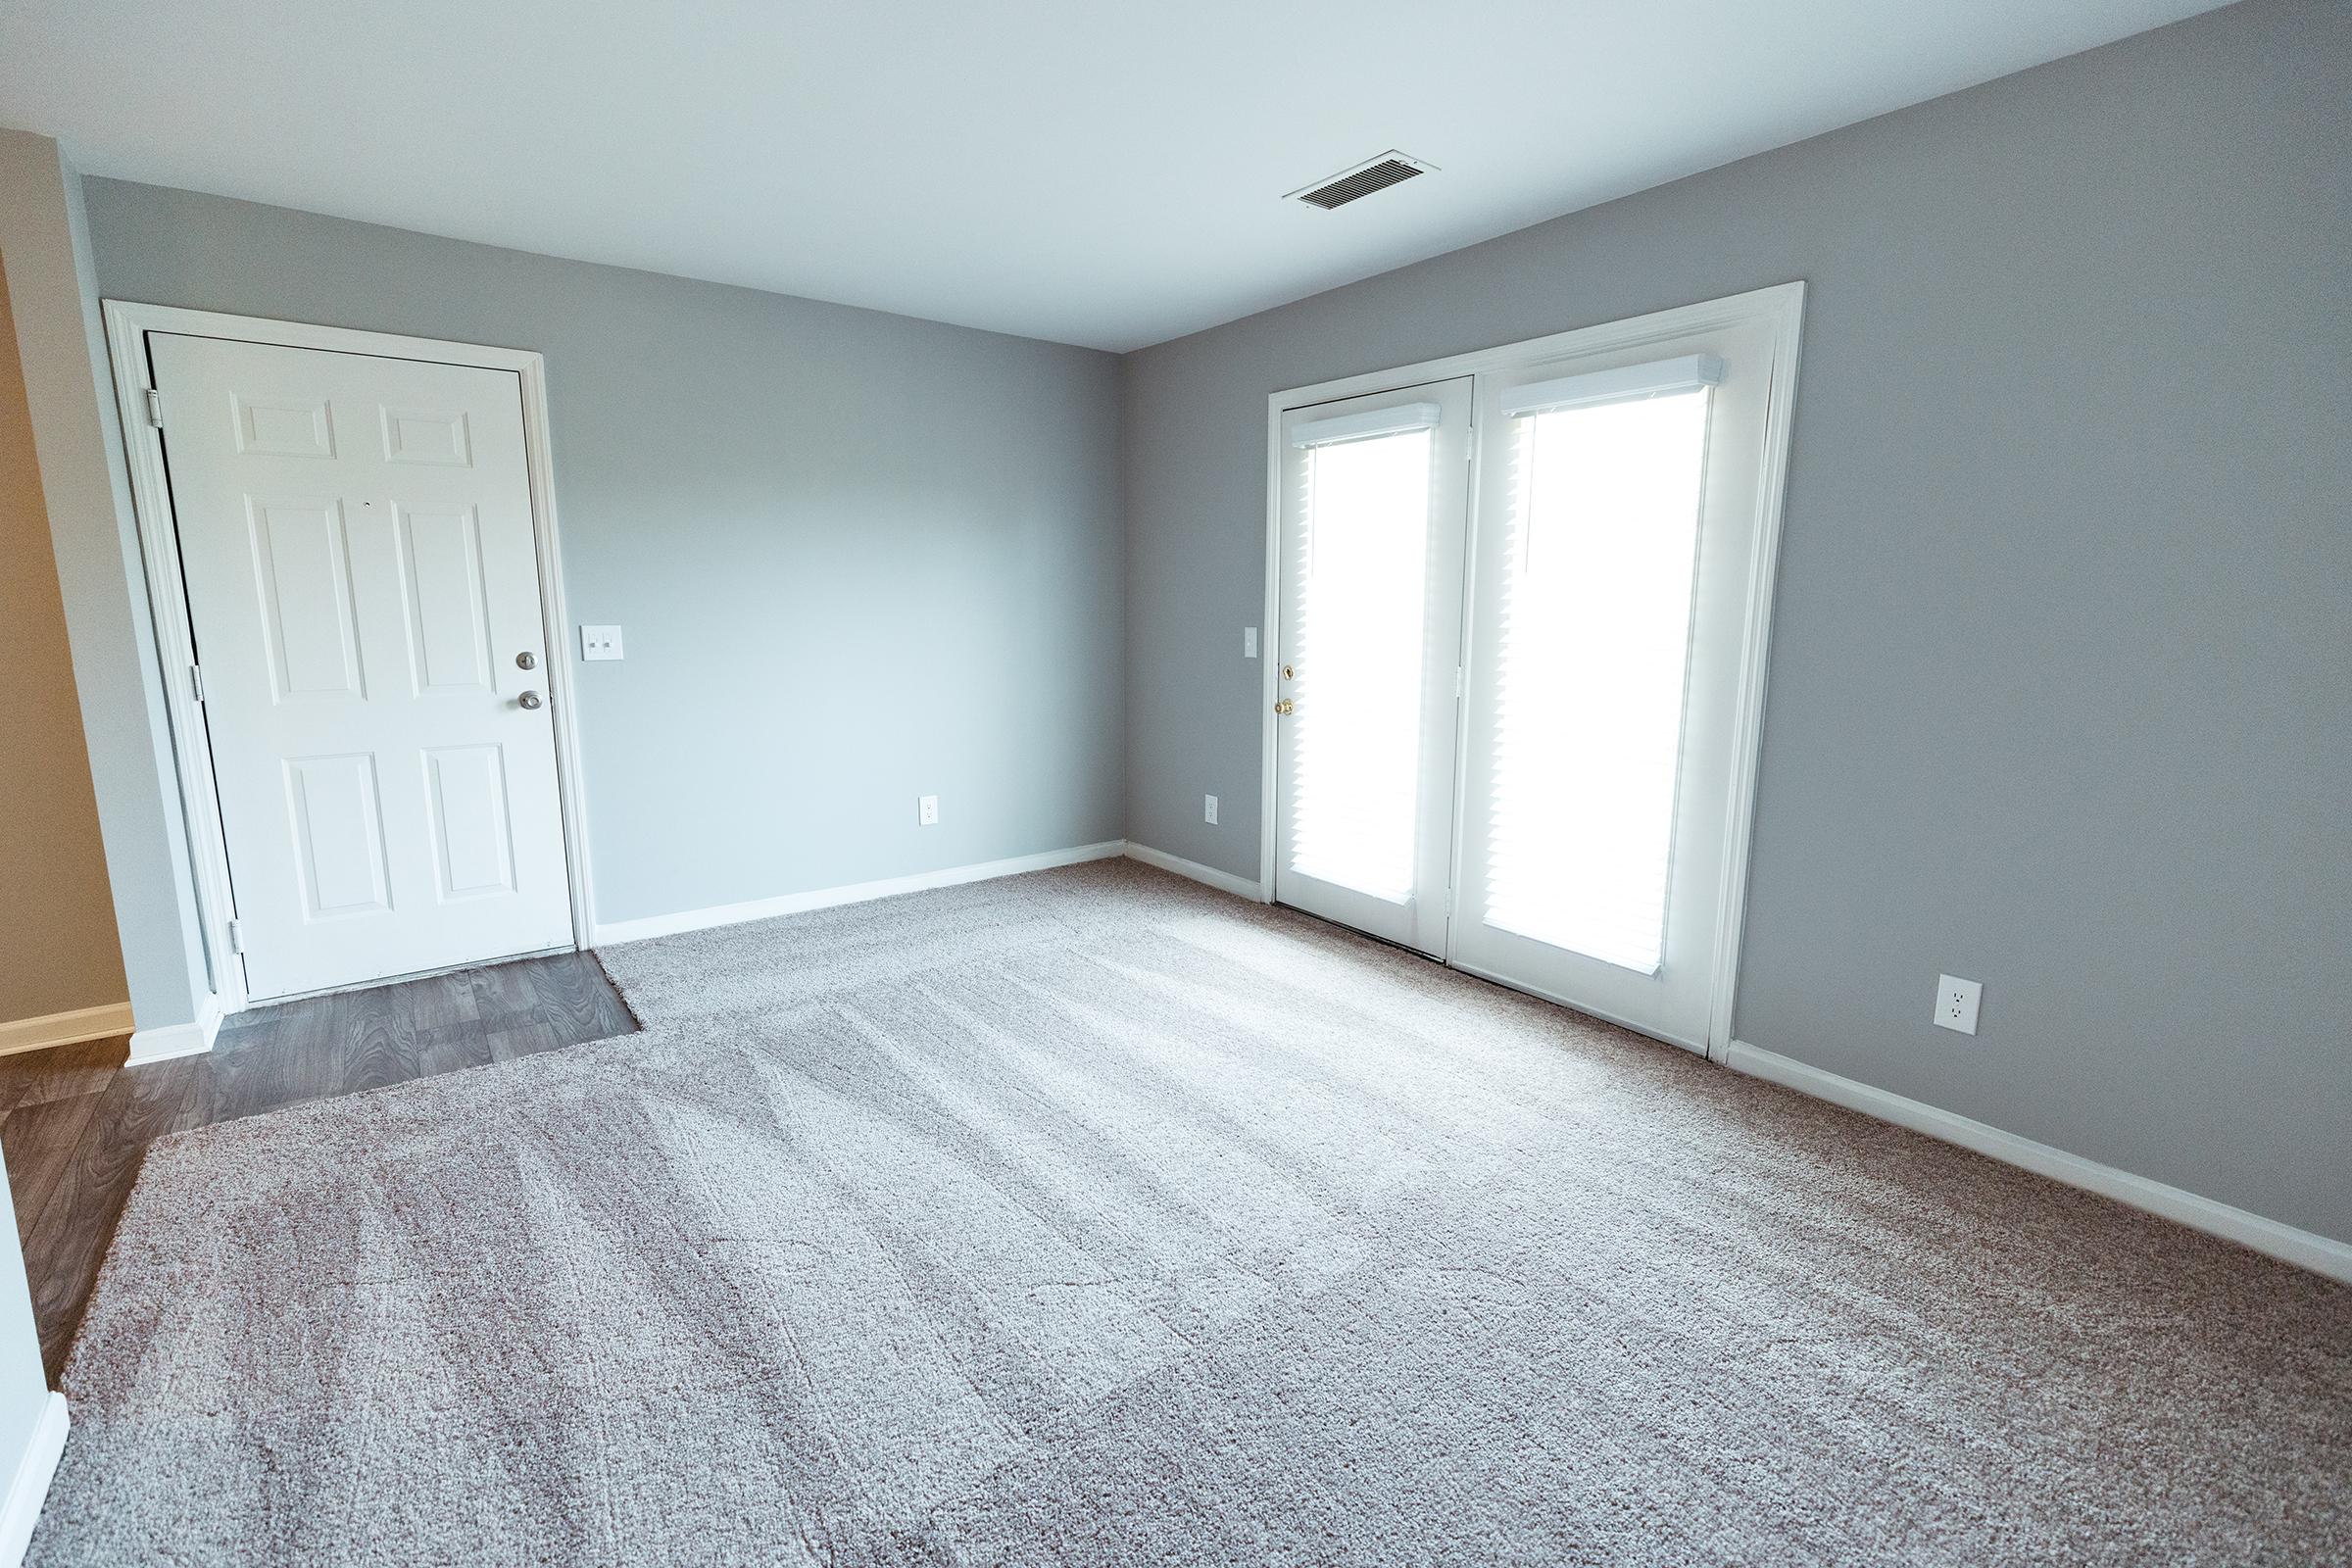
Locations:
(528, 699)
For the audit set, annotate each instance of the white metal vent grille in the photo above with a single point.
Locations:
(1390, 167)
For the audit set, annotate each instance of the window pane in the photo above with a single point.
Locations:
(1362, 570)
(1594, 638)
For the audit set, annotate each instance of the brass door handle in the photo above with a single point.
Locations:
(1283, 706)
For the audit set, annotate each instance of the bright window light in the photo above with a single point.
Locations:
(1363, 567)
(1595, 637)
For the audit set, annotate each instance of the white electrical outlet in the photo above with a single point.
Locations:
(600, 642)
(1248, 642)
(1208, 809)
(926, 810)
(1956, 1002)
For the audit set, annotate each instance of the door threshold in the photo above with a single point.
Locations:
(1517, 987)
(1390, 943)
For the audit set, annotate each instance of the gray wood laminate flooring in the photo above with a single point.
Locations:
(75, 1122)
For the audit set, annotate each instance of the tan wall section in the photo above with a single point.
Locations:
(58, 948)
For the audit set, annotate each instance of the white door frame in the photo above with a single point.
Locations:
(127, 326)
(1781, 307)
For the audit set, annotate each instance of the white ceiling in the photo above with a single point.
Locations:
(1083, 171)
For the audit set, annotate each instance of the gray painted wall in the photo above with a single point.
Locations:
(2064, 629)
(856, 557)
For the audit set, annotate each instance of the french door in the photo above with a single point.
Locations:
(1518, 623)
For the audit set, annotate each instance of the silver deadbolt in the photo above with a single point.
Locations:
(527, 659)
(528, 699)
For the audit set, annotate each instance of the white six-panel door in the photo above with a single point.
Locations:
(355, 536)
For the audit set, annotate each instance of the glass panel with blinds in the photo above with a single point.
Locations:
(1361, 560)
(1603, 478)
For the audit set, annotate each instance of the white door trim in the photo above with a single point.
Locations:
(1782, 307)
(127, 326)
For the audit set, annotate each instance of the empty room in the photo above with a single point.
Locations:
(1550, 782)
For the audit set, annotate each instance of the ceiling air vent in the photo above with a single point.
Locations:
(1390, 167)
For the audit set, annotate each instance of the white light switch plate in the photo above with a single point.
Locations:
(926, 810)
(1956, 1002)
(600, 642)
(1248, 642)
(1208, 809)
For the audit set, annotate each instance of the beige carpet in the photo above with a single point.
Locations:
(1094, 1219)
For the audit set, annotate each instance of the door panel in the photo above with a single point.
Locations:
(466, 788)
(449, 622)
(1374, 514)
(338, 835)
(357, 541)
(1614, 547)
(303, 559)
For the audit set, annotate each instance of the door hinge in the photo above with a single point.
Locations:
(155, 408)
(236, 936)
(196, 681)
(1470, 446)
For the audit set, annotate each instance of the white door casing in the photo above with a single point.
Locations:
(357, 541)
(1374, 508)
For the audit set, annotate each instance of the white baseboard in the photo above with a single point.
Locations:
(177, 1039)
(1207, 876)
(30, 1487)
(663, 925)
(2305, 1249)
(64, 1028)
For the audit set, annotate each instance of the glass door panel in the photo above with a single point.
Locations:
(1373, 519)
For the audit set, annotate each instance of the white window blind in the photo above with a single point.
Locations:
(1362, 569)
(1590, 654)
(1656, 379)
(1369, 423)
